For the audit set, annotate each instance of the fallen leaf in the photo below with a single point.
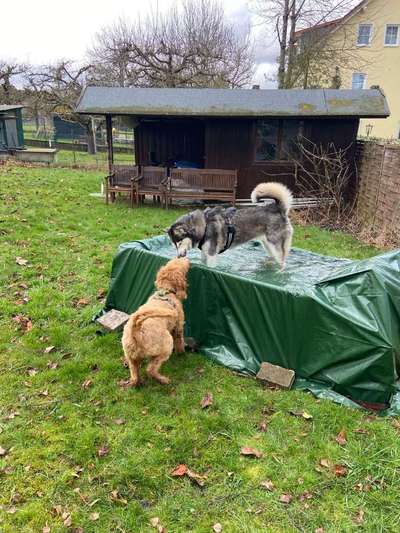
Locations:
(319, 530)
(362, 431)
(116, 497)
(49, 349)
(12, 415)
(180, 470)
(183, 470)
(67, 521)
(245, 450)
(103, 451)
(154, 522)
(52, 365)
(306, 495)
(285, 498)
(94, 516)
(81, 302)
(302, 414)
(341, 438)
(124, 383)
(20, 261)
(207, 400)
(325, 463)
(12, 510)
(32, 371)
(217, 527)
(44, 393)
(119, 421)
(340, 470)
(268, 410)
(101, 294)
(46, 529)
(3, 452)
(396, 424)
(197, 478)
(57, 509)
(87, 383)
(24, 322)
(267, 485)
(359, 517)
(262, 426)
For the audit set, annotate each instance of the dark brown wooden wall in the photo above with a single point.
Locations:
(169, 140)
(230, 144)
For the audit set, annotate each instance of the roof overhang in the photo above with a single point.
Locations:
(230, 103)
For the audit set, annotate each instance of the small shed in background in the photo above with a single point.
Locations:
(11, 128)
(251, 130)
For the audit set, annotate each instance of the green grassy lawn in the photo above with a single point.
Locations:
(79, 453)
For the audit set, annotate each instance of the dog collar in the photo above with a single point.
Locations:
(162, 294)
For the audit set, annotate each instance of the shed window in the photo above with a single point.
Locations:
(358, 80)
(277, 139)
(392, 35)
(364, 34)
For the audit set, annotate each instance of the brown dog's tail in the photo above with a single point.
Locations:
(136, 320)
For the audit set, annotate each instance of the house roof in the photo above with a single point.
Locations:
(328, 24)
(333, 23)
(232, 102)
(4, 107)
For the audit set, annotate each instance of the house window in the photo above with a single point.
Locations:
(364, 34)
(358, 80)
(392, 35)
(277, 139)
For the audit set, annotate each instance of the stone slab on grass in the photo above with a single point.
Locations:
(276, 376)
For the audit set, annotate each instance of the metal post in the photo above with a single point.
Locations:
(109, 143)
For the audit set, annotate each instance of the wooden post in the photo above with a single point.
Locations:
(109, 143)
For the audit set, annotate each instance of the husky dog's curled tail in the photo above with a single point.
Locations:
(279, 192)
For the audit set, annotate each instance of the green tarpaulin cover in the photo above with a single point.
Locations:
(335, 322)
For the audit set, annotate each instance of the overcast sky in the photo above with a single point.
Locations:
(40, 32)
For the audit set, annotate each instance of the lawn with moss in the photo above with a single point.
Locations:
(79, 453)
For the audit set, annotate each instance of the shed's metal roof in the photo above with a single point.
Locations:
(232, 102)
(4, 107)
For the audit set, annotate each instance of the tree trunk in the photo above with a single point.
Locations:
(89, 138)
(283, 46)
(291, 47)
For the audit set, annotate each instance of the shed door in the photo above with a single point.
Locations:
(11, 130)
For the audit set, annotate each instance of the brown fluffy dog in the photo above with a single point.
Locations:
(156, 328)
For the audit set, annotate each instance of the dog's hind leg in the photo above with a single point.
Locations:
(286, 245)
(154, 367)
(165, 349)
(274, 250)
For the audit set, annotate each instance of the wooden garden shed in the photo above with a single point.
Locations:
(251, 130)
(11, 128)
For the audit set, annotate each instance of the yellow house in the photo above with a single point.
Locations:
(361, 50)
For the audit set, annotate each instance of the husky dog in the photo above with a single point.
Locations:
(214, 230)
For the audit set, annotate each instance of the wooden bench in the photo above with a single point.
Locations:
(121, 180)
(151, 181)
(201, 184)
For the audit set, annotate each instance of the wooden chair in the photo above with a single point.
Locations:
(151, 181)
(201, 184)
(121, 180)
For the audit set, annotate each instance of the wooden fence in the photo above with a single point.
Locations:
(76, 147)
(378, 205)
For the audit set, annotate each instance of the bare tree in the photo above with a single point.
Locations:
(192, 45)
(58, 87)
(285, 17)
(9, 72)
(324, 171)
